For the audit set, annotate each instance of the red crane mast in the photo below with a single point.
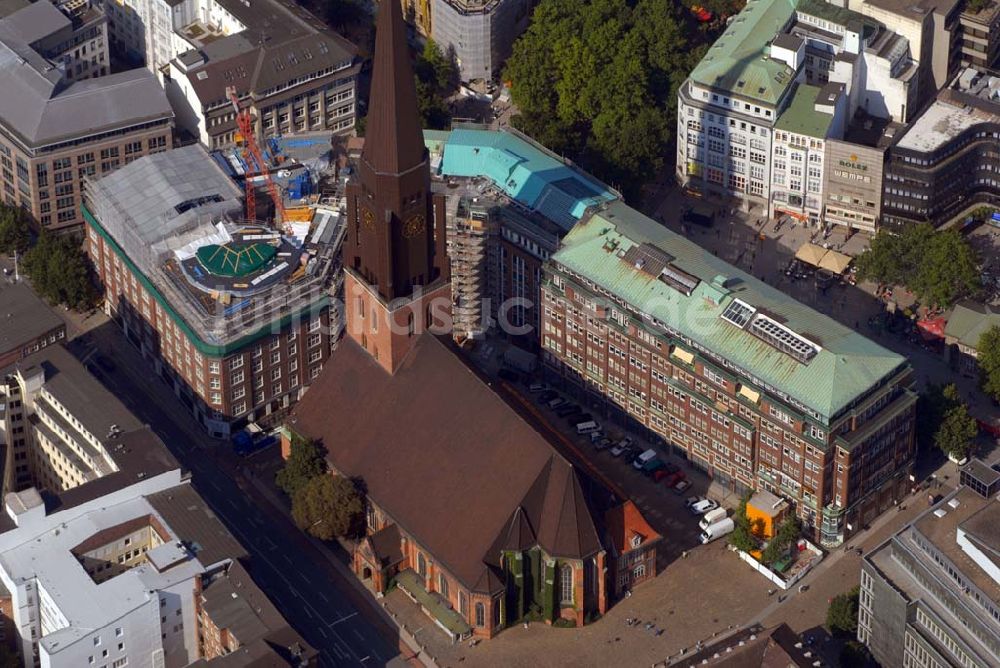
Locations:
(251, 155)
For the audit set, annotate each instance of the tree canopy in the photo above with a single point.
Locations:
(842, 615)
(305, 462)
(327, 506)
(436, 77)
(934, 402)
(60, 272)
(939, 267)
(741, 537)
(15, 234)
(989, 361)
(597, 81)
(957, 432)
(777, 548)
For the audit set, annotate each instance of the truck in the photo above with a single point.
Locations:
(641, 460)
(711, 517)
(252, 439)
(717, 530)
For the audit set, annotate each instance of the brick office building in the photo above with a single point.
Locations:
(234, 346)
(756, 389)
(470, 510)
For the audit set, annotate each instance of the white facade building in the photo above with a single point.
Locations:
(755, 114)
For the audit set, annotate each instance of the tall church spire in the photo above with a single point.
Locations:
(394, 141)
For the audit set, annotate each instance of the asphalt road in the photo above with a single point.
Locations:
(312, 595)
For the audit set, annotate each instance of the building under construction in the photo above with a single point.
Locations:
(237, 314)
(472, 251)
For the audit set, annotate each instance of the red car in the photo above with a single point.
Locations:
(666, 470)
(674, 478)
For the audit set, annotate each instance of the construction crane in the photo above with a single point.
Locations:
(251, 155)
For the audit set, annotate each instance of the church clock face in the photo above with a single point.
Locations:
(368, 218)
(414, 226)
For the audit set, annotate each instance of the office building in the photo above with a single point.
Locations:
(286, 66)
(56, 131)
(478, 536)
(980, 36)
(510, 201)
(929, 593)
(855, 165)
(134, 577)
(72, 35)
(236, 316)
(479, 33)
(786, 77)
(28, 324)
(947, 161)
(754, 388)
(67, 436)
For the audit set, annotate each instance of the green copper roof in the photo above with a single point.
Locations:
(739, 61)
(968, 322)
(801, 117)
(846, 366)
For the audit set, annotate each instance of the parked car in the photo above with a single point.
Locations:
(704, 506)
(556, 403)
(546, 396)
(579, 417)
(643, 457)
(664, 471)
(681, 486)
(602, 443)
(691, 500)
(567, 409)
(595, 436)
(538, 387)
(674, 477)
(587, 427)
(509, 375)
(618, 449)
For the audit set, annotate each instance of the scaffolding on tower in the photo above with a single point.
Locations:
(252, 155)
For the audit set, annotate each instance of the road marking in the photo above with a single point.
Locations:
(342, 619)
(358, 634)
(322, 596)
(322, 631)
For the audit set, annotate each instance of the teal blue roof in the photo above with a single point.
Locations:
(846, 366)
(525, 171)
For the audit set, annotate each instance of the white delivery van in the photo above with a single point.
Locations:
(717, 530)
(587, 427)
(641, 460)
(711, 517)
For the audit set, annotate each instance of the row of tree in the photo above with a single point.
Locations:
(943, 421)
(324, 505)
(56, 265)
(938, 266)
(597, 81)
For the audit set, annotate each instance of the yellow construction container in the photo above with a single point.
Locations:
(766, 512)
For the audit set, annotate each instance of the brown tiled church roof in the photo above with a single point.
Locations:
(394, 142)
(448, 460)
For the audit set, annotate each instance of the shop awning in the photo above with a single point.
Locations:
(835, 262)
(810, 253)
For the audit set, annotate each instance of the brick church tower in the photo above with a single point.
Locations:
(396, 282)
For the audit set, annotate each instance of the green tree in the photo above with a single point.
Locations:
(777, 548)
(989, 361)
(842, 615)
(327, 506)
(939, 267)
(305, 462)
(597, 81)
(934, 402)
(957, 432)
(14, 232)
(60, 271)
(855, 655)
(741, 537)
(436, 77)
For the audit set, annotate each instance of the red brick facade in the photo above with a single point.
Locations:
(745, 438)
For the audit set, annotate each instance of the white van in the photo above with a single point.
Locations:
(641, 460)
(587, 427)
(711, 517)
(717, 530)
